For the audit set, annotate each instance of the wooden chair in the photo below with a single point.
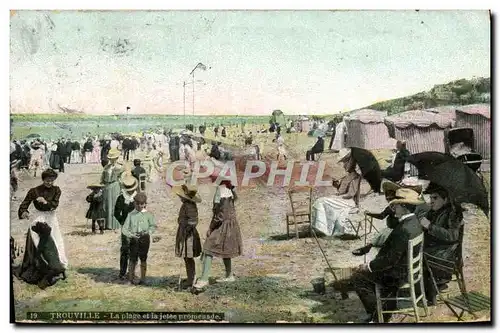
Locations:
(301, 202)
(415, 275)
(470, 302)
(142, 182)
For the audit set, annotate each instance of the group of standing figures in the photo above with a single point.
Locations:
(123, 207)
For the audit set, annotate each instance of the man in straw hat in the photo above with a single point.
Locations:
(138, 228)
(187, 239)
(110, 179)
(124, 205)
(389, 189)
(389, 268)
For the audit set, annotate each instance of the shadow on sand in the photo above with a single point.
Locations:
(110, 275)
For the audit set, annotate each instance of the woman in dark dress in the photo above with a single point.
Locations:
(187, 240)
(45, 258)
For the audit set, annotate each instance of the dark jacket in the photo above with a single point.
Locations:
(215, 152)
(443, 235)
(137, 171)
(319, 146)
(399, 163)
(88, 146)
(51, 195)
(96, 208)
(390, 265)
(122, 210)
(75, 145)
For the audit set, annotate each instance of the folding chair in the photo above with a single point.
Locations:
(301, 202)
(142, 182)
(470, 302)
(414, 276)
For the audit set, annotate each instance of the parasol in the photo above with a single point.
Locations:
(370, 169)
(427, 160)
(462, 184)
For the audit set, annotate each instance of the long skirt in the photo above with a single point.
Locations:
(47, 156)
(110, 195)
(44, 255)
(55, 160)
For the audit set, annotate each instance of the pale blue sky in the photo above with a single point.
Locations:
(308, 62)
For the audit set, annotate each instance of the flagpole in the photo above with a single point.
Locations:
(184, 99)
(193, 93)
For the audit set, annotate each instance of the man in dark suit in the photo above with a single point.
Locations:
(61, 152)
(389, 268)
(396, 171)
(318, 147)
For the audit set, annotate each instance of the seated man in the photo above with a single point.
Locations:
(390, 189)
(397, 169)
(215, 152)
(389, 268)
(138, 169)
(349, 185)
(318, 147)
(442, 227)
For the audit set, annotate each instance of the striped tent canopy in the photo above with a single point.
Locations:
(478, 109)
(418, 118)
(447, 111)
(422, 130)
(477, 117)
(367, 116)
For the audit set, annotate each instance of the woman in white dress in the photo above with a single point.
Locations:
(45, 258)
(281, 147)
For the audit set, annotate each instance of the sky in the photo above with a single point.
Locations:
(302, 62)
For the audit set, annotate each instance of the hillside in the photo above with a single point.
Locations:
(459, 92)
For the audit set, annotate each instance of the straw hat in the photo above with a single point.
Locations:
(388, 186)
(95, 185)
(188, 192)
(344, 154)
(129, 182)
(407, 196)
(113, 154)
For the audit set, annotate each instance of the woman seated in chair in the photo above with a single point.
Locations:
(397, 169)
(442, 227)
(348, 186)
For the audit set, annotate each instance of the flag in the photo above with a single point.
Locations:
(201, 66)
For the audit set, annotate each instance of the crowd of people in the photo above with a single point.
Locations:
(118, 202)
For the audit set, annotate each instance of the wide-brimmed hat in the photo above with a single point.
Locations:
(129, 182)
(113, 154)
(389, 186)
(95, 185)
(344, 154)
(188, 192)
(407, 196)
